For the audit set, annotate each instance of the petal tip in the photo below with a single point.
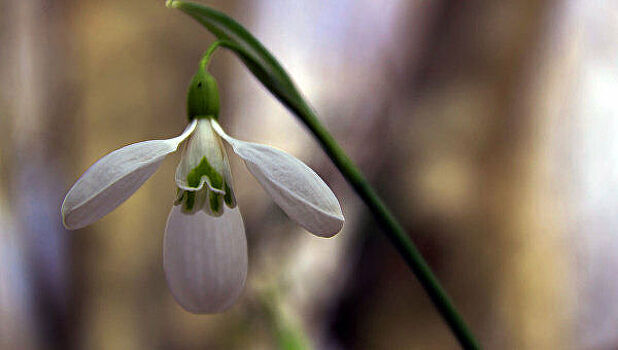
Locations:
(66, 222)
(199, 306)
(65, 213)
(204, 309)
(330, 229)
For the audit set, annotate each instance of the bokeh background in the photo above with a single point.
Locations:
(489, 127)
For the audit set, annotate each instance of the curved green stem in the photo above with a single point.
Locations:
(208, 55)
(268, 70)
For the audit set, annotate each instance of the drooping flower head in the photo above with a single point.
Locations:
(205, 248)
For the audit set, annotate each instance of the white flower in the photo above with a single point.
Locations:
(205, 249)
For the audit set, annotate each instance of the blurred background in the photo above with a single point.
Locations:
(489, 127)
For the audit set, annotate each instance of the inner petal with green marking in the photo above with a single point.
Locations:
(203, 176)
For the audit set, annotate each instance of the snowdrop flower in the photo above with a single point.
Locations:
(205, 248)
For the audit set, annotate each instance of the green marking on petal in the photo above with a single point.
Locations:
(228, 196)
(193, 201)
(190, 200)
(215, 202)
(205, 169)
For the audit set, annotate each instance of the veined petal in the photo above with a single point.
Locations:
(114, 178)
(205, 259)
(295, 187)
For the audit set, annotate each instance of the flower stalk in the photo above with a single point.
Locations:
(265, 67)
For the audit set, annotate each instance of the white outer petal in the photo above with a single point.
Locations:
(205, 259)
(295, 187)
(114, 178)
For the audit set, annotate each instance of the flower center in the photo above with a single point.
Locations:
(204, 169)
(203, 176)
